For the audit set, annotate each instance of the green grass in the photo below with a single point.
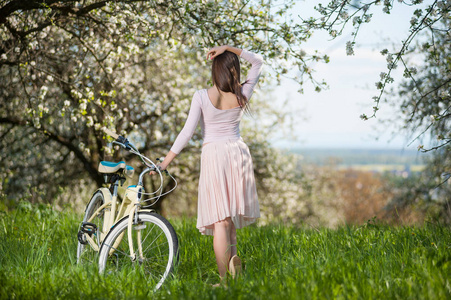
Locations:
(373, 261)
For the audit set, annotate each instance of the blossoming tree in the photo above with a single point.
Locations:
(70, 68)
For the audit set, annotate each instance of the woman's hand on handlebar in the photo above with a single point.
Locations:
(160, 167)
(164, 164)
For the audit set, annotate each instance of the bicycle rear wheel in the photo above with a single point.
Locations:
(155, 245)
(87, 252)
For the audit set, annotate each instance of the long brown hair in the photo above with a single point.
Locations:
(225, 73)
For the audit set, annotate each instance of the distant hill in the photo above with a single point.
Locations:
(350, 157)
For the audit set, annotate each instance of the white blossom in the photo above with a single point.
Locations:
(76, 94)
(349, 48)
(389, 58)
(367, 18)
(158, 135)
(90, 121)
(108, 151)
(37, 122)
(83, 105)
(356, 20)
(444, 94)
(344, 15)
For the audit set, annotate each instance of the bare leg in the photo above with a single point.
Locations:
(221, 245)
(233, 249)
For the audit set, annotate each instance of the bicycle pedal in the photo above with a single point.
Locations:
(139, 227)
(89, 229)
(81, 238)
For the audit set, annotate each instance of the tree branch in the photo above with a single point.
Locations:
(88, 165)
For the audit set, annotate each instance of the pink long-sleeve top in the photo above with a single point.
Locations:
(218, 124)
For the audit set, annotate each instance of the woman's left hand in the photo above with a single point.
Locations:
(159, 166)
(215, 51)
(166, 161)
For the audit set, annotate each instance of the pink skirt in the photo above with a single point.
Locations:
(226, 186)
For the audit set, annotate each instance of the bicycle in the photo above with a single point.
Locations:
(123, 235)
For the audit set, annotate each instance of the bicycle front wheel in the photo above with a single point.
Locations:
(155, 245)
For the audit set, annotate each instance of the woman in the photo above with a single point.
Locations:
(227, 193)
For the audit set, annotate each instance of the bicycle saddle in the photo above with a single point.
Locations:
(108, 167)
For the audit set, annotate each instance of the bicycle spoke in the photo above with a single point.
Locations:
(115, 249)
(159, 245)
(150, 231)
(155, 239)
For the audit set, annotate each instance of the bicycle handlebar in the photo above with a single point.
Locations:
(151, 166)
(125, 143)
(119, 139)
(111, 133)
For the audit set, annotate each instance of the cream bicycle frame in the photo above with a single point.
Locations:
(130, 206)
(132, 199)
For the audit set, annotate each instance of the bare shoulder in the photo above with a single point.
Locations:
(212, 93)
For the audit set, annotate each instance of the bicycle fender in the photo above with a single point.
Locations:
(106, 194)
(107, 197)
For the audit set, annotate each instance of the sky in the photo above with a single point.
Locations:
(331, 118)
